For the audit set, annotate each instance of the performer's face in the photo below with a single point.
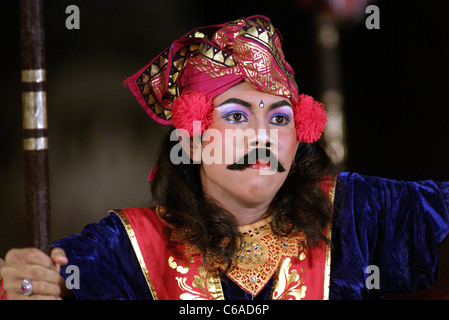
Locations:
(246, 119)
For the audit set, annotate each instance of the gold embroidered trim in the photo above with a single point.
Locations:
(133, 239)
(327, 268)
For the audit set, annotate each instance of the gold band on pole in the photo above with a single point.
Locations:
(34, 75)
(34, 144)
(34, 110)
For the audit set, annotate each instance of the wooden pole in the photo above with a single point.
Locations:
(34, 108)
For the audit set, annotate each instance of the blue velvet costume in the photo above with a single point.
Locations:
(396, 226)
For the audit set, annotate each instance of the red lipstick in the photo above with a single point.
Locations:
(260, 164)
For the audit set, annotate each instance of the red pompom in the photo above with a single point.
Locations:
(310, 119)
(192, 106)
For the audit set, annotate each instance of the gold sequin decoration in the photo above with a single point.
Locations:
(261, 254)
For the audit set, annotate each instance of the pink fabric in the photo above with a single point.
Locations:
(193, 79)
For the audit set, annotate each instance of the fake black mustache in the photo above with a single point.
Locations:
(252, 156)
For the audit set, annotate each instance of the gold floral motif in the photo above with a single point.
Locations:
(172, 263)
(205, 286)
(288, 283)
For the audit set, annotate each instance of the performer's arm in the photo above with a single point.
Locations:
(394, 225)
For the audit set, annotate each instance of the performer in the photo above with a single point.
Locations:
(246, 206)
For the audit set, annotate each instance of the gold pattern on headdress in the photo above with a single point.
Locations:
(252, 43)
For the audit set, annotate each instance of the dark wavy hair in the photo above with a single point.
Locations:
(299, 205)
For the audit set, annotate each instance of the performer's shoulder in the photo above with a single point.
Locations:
(142, 215)
(137, 211)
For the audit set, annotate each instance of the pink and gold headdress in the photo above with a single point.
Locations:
(178, 86)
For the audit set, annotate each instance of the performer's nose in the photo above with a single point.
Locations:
(262, 138)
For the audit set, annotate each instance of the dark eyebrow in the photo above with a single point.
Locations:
(237, 101)
(247, 105)
(282, 103)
